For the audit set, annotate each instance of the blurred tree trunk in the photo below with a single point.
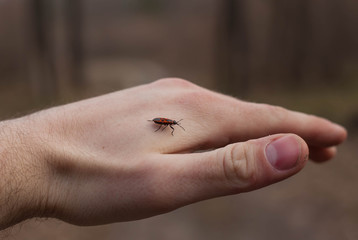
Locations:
(332, 41)
(289, 41)
(55, 47)
(301, 37)
(41, 58)
(74, 25)
(232, 48)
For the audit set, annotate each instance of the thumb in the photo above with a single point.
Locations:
(236, 168)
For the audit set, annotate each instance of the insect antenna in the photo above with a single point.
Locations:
(180, 125)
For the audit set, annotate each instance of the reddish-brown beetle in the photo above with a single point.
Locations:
(166, 122)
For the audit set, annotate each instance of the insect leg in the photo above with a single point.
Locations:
(172, 128)
(164, 127)
(158, 128)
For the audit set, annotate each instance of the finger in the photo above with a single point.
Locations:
(322, 154)
(315, 130)
(233, 169)
(244, 121)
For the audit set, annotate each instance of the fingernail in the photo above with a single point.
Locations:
(283, 153)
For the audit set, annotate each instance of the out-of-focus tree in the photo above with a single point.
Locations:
(232, 51)
(258, 43)
(285, 43)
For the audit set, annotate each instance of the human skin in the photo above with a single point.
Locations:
(99, 160)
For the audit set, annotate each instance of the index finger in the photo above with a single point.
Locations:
(227, 120)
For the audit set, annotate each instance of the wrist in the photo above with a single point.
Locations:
(23, 183)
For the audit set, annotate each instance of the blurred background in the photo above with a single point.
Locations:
(300, 54)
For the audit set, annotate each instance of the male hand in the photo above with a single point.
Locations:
(99, 160)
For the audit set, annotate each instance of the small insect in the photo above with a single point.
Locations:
(166, 122)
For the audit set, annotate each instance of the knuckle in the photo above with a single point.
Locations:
(274, 115)
(238, 165)
(196, 103)
(197, 97)
(178, 82)
(277, 111)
